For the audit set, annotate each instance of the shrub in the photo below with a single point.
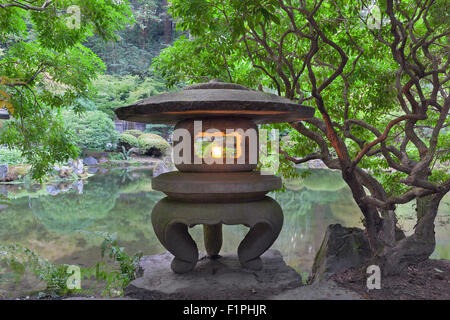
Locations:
(150, 136)
(11, 156)
(128, 141)
(91, 130)
(153, 145)
(134, 133)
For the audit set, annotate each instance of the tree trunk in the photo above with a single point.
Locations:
(372, 220)
(143, 37)
(416, 247)
(391, 250)
(167, 23)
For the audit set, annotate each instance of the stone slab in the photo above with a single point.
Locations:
(219, 279)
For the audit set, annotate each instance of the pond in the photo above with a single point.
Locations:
(64, 223)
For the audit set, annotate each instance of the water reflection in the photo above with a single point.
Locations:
(60, 221)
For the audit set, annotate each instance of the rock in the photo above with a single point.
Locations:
(78, 185)
(90, 161)
(4, 191)
(163, 166)
(53, 190)
(65, 171)
(64, 186)
(3, 171)
(222, 278)
(341, 248)
(78, 167)
(103, 160)
(92, 170)
(317, 164)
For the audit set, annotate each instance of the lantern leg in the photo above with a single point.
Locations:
(262, 234)
(180, 243)
(174, 236)
(212, 236)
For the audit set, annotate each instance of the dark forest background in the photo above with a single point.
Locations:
(128, 76)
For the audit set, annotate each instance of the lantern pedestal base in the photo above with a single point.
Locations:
(171, 219)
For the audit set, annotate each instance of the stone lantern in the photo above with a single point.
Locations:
(215, 149)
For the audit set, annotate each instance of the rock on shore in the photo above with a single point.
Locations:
(213, 279)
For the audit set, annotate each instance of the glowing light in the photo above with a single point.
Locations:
(216, 152)
(234, 149)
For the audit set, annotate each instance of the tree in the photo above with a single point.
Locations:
(377, 74)
(44, 67)
(139, 43)
(91, 130)
(113, 92)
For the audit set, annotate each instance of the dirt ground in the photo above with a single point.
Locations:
(429, 280)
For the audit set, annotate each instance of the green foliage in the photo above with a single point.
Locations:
(118, 156)
(134, 133)
(91, 130)
(128, 141)
(125, 155)
(138, 44)
(152, 144)
(44, 67)
(127, 265)
(4, 200)
(113, 91)
(160, 129)
(19, 260)
(11, 156)
(271, 45)
(42, 141)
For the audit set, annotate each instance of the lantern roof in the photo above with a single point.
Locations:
(215, 99)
